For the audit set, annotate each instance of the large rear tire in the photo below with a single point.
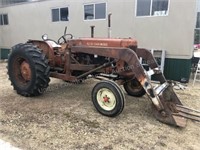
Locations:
(28, 70)
(134, 88)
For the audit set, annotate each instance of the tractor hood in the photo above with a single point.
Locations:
(100, 42)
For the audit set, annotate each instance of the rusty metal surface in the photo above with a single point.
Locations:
(99, 42)
(125, 54)
(179, 121)
(25, 71)
(174, 112)
(63, 76)
(82, 67)
(46, 48)
(95, 69)
(147, 55)
(187, 113)
(62, 57)
(59, 60)
(169, 100)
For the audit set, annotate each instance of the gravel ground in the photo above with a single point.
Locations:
(64, 118)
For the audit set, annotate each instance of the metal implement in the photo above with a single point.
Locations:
(115, 60)
(188, 113)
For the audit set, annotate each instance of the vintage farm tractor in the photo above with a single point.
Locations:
(114, 61)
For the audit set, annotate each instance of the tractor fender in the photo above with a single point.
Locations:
(46, 48)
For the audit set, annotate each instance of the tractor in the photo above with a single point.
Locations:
(115, 62)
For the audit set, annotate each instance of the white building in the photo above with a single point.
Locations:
(156, 24)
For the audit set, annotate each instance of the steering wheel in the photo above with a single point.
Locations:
(63, 39)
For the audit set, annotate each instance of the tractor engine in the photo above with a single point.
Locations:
(89, 59)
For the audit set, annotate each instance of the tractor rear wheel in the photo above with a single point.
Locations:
(28, 70)
(134, 88)
(108, 98)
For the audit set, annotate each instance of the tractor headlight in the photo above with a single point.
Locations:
(45, 37)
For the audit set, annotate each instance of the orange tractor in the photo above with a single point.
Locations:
(114, 61)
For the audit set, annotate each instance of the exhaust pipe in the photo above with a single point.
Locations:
(109, 25)
(92, 31)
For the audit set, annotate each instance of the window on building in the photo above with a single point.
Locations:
(3, 19)
(14, 2)
(95, 11)
(152, 7)
(198, 20)
(64, 14)
(89, 12)
(60, 14)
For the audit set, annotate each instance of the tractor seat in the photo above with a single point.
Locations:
(53, 44)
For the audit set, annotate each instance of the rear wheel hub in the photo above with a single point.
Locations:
(25, 71)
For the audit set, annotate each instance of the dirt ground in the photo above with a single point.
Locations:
(64, 118)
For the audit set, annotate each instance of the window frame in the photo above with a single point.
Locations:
(167, 14)
(2, 17)
(59, 17)
(94, 8)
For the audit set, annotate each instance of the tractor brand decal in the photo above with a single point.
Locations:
(96, 44)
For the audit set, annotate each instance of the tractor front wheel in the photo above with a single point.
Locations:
(28, 70)
(108, 98)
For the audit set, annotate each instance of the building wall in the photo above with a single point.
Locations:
(173, 33)
(30, 21)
